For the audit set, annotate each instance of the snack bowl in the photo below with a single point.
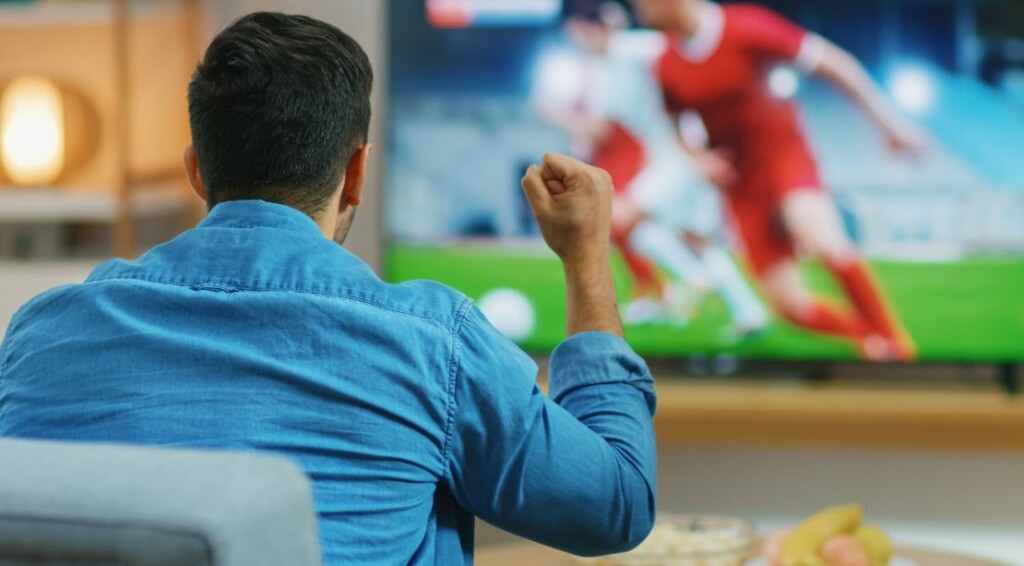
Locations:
(688, 540)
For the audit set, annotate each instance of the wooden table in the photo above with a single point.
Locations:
(520, 554)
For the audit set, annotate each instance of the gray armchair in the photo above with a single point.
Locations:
(63, 503)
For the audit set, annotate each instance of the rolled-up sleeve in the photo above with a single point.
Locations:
(575, 471)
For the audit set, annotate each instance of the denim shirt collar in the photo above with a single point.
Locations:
(260, 214)
(197, 258)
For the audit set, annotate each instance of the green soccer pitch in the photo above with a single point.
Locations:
(968, 311)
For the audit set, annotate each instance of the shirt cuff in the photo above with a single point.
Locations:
(597, 358)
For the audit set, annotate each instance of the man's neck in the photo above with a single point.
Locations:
(688, 22)
(329, 218)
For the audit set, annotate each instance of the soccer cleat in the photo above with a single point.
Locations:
(904, 348)
(877, 348)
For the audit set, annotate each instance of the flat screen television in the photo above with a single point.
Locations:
(934, 269)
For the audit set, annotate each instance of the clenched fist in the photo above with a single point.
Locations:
(572, 202)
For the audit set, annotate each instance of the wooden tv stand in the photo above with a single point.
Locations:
(911, 415)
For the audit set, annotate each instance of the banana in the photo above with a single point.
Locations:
(876, 543)
(801, 548)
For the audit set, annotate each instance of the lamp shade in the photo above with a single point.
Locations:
(32, 133)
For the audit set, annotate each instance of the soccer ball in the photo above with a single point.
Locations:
(510, 312)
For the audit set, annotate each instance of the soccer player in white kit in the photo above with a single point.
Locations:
(607, 98)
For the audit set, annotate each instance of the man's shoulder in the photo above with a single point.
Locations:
(307, 268)
(325, 274)
(750, 18)
(426, 299)
(44, 309)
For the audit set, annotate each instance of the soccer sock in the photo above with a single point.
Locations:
(660, 245)
(865, 296)
(823, 318)
(745, 305)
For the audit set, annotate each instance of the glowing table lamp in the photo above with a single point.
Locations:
(32, 138)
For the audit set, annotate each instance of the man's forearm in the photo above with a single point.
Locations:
(590, 292)
(604, 395)
(845, 72)
(572, 202)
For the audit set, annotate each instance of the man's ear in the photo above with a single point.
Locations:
(355, 177)
(192, 171)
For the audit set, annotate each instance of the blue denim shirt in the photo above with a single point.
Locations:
(407, 409)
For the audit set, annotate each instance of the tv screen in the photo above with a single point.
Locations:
(773, 202)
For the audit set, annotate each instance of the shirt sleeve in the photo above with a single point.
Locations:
(774, 37)
(575, 471)
(642, 46)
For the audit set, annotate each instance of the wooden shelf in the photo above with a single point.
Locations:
(56, 14)
(51, 205)
(74, 13)
(908, 416)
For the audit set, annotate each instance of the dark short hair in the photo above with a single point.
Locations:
(586, 10)
(594, 11)
(278, 106)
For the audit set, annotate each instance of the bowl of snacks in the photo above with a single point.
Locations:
(688, 540)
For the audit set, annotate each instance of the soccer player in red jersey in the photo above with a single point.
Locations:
(716, 62)
(605, 95)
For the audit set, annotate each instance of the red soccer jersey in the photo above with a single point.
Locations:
(722, 74)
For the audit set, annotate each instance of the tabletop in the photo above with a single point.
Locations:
(532, 554)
